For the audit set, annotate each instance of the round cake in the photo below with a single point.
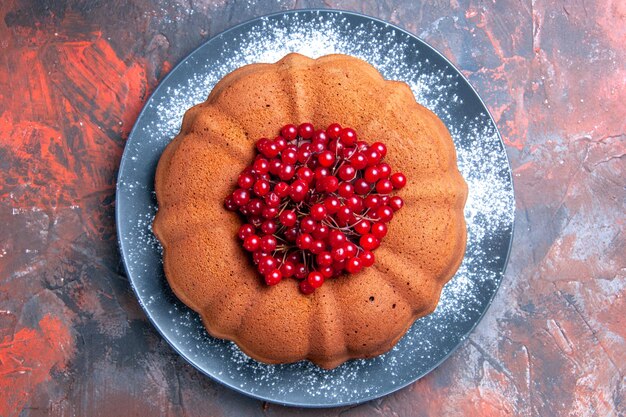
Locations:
(355, 315)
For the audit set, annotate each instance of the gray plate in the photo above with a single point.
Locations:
(439, 86)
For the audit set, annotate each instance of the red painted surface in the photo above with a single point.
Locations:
(73, 77)
(28, 357)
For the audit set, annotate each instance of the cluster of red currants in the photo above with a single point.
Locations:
(316, 204)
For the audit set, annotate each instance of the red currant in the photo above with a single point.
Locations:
(289, 132)
(333, 130)
(348, 136)
(354, 265)
(367, 257)
(306, 130)
(241, 196)
(379, 230)
(399, 180)
(274, 277)
(369, 242)
(396, 203)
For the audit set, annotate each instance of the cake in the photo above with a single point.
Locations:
(353, 315)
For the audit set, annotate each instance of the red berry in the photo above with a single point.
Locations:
(348, 136)
(306, 288)
(371, 175)
(289, 155)
(320, 136)
(289, 132)
(304, 241)
(333, 130)
(315, 279)
(252, 243)
(324, 259)
(269, 212)
(305, 174)
(320, 232)
(384, 214)
(267, 264)
(379, 230)
(332, 205)
(287, 269)
(384, 186)
(291, 234)
(399, 180)
(273, 277)
(362, 227)
(326, 159)
(230, 204)
(268, 243)
(306, 130)
(347, 172)
(396, 203)
(298, 190)
(245, 181)
(330, 184)
(245, 231)
(307, 224)
(335, 146)
(294, 257)
(301, 271)
(318, 212)
(268, 227)
(350, 249)
(275, 166)
(336, 238)
(358, 160)
(354, 265)
(317, 147)
(255, 207)
(345, 214)
(304, 153)
(373, 156)
(372, 201)
(241, 196)
(281, 189)
(355, 203)
(261, 166)
(361, 186)
(327, 271)
(339, 266)
(288, 218)
(272, 200)
(286, 172)
(380, 148)
(339, 253)
(272, 149)
(345, 189)
(367, 257)
(362, 146)
(317, 247)
(384, 169)
(280, 142)
(369, 242)
(261, 187)
(321, 172)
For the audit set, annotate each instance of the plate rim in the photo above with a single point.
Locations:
(123, 250)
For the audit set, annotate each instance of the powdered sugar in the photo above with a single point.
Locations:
(482, 160)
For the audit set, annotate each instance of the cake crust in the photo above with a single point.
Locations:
(358, 316)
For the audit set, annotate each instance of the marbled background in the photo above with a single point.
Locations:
(73, 77)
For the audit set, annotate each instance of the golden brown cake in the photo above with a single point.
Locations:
(356, 316)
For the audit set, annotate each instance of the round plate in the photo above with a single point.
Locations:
(436, 84)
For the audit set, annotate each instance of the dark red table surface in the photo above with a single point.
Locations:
(75, 73)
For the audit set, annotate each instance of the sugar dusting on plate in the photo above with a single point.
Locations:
(481, 159)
